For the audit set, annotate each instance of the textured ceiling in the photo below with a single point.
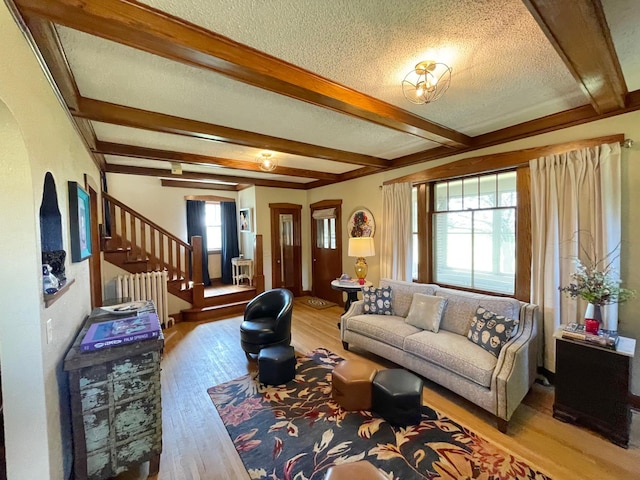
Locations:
(505, 72)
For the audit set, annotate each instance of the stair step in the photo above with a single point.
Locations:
(213, 312)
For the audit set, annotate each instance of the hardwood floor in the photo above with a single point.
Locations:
(196, 445)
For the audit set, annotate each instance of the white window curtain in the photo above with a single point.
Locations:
(395, 245)
(575, 205)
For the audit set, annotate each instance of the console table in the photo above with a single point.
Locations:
(116, 412)
(238, 265)
(592, 386)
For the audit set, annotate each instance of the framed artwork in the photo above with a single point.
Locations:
(79, 222)
(361, 223)
(245, 219)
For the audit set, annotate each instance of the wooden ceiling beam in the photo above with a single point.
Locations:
(200, 185)
(145, 28)
(579, 32)
(46, 41)
(161, 173)
(121, 150)
(100, 111)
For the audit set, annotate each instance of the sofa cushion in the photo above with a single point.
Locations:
(403, 293)
(490, 330)
(426, 311)
(377, 301)
(453, 352)
(384, 328)
(462, 307)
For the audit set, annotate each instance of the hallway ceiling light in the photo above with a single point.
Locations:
(267, 162)
(427, 82)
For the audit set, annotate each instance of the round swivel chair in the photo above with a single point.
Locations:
(267, 321)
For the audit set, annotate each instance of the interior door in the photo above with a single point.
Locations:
(286, 250)
(326, 248)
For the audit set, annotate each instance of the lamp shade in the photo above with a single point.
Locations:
(361, 247)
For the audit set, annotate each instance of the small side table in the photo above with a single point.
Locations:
(352, 291)
(592, 386)
(237, 265)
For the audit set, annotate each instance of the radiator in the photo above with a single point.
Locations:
(147, 286)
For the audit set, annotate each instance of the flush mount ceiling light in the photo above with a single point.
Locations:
(427, 82)
(267, 162)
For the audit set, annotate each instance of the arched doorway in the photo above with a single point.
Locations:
(23, 384)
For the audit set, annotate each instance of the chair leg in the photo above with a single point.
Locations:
(345, 345)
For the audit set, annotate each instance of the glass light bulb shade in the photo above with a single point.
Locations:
(266, 162)
(427, 82)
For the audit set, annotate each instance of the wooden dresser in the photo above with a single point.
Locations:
(115, 404)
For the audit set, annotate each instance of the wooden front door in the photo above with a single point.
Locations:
(326, 248)
(286, 247)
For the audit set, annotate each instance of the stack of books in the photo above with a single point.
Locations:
(604, 338)
(121, 331)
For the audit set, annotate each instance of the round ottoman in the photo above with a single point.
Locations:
(397, 397)
(354, 471)
(276, 365)
(351, 384)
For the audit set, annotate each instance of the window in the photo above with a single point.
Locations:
(474, 232)
(213, 220)
(326, 233)
(414, 233)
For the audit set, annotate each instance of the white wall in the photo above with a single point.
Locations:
(246, 240)
(37, 136)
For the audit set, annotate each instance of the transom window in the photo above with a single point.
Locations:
(213, 220)
(474, 232)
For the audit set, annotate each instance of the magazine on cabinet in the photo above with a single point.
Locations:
(120, 331)
(576, 331)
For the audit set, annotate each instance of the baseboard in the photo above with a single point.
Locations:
(306, 293)
(634, 401)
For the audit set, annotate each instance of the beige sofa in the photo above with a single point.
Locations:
(448, 357)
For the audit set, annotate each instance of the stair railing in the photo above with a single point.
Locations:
(146, 241)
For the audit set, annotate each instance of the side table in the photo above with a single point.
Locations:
(592, 386)
(237, 266)
(352, 291)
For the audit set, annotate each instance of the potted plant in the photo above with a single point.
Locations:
(596, 282)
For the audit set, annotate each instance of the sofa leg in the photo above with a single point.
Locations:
(345, 345)
(502, 425)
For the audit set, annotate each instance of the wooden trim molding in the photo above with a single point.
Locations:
(325, 204)
(200, 185)
(500, 161)
(106, 112)
(580, 34)
(134, 151)
(209, 198)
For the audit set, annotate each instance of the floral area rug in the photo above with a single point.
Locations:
(296, 432)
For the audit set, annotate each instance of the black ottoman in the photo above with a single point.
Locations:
(397, 397)
(276, 365)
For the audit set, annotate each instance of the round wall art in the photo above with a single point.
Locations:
(361, 224)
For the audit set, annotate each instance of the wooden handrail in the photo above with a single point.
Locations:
(144, 240)
(143, 218)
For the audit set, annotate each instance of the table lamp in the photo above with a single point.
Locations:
(361, 247)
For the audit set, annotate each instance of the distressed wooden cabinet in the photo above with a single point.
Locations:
(115, 405)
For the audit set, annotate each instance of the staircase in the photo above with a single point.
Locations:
(136, 244)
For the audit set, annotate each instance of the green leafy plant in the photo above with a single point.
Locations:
(596, 282)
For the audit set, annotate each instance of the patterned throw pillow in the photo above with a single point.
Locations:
(490, 330)
(377, 301)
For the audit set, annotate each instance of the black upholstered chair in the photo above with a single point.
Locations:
(267, 321)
